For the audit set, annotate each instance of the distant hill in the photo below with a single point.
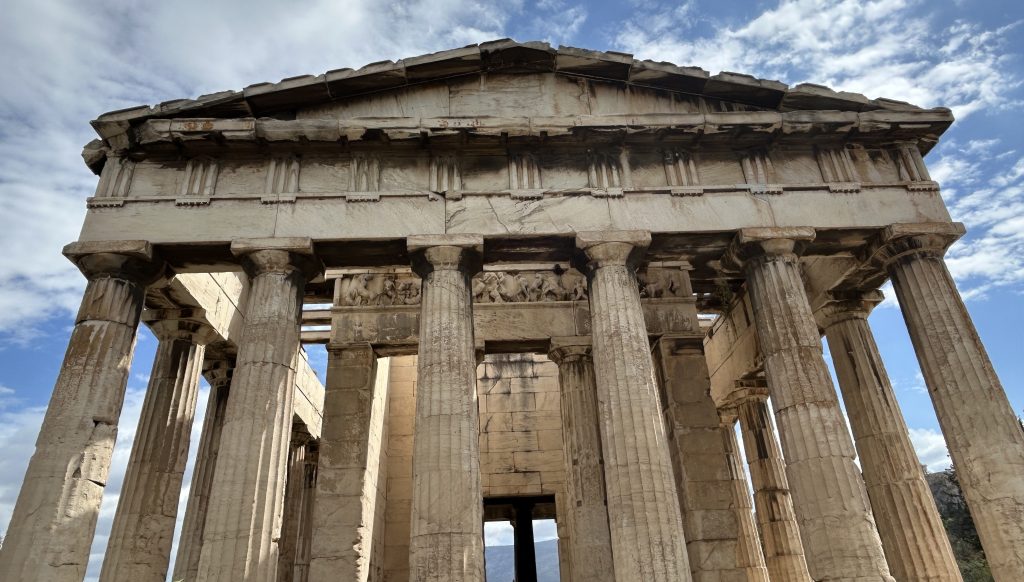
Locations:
(959, 526)
(501, 562)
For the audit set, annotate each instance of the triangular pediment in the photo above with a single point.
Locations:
(502, 58)
(509, 88)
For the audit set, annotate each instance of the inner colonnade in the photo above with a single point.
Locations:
(570, 276)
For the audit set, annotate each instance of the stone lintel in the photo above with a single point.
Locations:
(347, 346)
(679, 343)
(422, 242)
(297, 245)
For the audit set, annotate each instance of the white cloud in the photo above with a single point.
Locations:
(70, 61)
(880, 48)
(498, 533)
(889, 48)
(931, 448)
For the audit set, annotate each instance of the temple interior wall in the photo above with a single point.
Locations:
(520, 441)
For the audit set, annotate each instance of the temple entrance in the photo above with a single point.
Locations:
(525, 522)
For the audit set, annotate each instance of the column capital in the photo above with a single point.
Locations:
(218, 372)
(755, 243)
(188, 324)
(843, 305)
(568, 349)
(604, 248)
(278, 255)
(746, 390)
(727, 416)
(897, 241)
(436, 252)
(134, 260)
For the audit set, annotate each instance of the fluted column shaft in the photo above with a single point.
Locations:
(218, 374)
(54, 519)
(749, 555)
(295, 525)
(984, 437)
(646, 527)
(586, 514)
(349, 471)
(243, 525)
(829, 497)
(446, 543)
(912, 533)
(139, 547)
(304, 543)
(773, 504)
(704, 471)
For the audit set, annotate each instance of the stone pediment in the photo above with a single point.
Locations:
(509, 88)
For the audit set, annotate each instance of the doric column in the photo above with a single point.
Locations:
(349, 472)
(915, 541)
(829, 497)
(243, 524)
(749, 555)
(139, 547)
(296, 527)
(643, 508)
(773, 505)
(218, 374)
(984, 437)
(586, 513)
(54, 519)
(714, 523)
(446, 542)
(304, 543)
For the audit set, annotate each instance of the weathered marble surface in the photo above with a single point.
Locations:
(648, 543)
(55, 516)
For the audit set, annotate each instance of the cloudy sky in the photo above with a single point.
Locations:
(64, 62)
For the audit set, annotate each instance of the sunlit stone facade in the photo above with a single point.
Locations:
(549, 281)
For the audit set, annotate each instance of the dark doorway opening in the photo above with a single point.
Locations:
(524, 516)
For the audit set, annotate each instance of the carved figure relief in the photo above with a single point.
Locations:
(659, 283)
(385, 289)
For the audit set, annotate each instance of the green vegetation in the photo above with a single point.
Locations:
(959, 526)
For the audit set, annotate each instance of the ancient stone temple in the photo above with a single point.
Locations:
(550, 284)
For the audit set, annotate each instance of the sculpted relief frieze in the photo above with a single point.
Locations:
(511, 286)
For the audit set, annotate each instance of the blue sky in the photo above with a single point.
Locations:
(64, 62)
